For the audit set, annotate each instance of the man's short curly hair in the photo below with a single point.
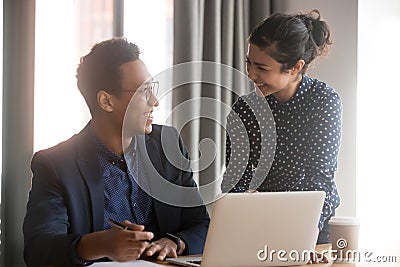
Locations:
(100, 69)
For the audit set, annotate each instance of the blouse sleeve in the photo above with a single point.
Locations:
(233, 180)
(238, 174)
(322, 153)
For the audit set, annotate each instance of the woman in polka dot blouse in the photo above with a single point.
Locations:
(305, 115)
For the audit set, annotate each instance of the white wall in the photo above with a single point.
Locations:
(339, 70)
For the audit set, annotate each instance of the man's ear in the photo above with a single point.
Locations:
(104, 100)
(297, 67)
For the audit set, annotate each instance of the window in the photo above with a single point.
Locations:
(378, 144)
(152, 30)
(66, 30)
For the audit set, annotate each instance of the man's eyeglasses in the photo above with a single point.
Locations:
(150, 88)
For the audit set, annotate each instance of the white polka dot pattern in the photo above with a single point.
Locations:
(308, 130)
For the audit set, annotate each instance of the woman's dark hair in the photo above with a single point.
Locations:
(100, 69)
(289, 38)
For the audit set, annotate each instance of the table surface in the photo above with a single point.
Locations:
(326, 247)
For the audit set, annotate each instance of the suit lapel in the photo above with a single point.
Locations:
(90, 171)
(151, 157)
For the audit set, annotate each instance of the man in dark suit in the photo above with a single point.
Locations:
(111, 170)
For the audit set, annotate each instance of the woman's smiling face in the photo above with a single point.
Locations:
(268, 76)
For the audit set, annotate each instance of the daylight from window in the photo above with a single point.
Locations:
(154, 40)
(63, 37)
(378, 144)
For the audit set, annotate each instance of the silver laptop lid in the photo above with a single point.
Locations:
(263, 229)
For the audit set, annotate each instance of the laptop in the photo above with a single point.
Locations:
(260, 229)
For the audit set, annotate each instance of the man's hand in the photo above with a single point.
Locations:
(116, 244)
(164, 247)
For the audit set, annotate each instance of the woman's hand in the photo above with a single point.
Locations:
(316, 257)
(251, 191)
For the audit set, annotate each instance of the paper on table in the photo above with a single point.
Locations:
(137, 263)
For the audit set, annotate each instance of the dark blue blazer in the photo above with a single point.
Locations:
(67, 199)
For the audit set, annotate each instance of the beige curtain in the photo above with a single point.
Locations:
(17, 124)
(216, 31)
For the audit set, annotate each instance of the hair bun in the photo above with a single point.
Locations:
(318, 30)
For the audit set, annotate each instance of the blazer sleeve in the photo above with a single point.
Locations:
(45, 228)
(194, 220)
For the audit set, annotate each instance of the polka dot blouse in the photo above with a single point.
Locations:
(308, 135)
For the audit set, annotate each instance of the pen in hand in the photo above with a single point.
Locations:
(123, 227)
(118, 224)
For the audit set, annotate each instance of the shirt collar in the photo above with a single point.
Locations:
(132, 146)
(294, 101)
(103, 150)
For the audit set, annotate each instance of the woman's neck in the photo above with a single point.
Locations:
(286, 94)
